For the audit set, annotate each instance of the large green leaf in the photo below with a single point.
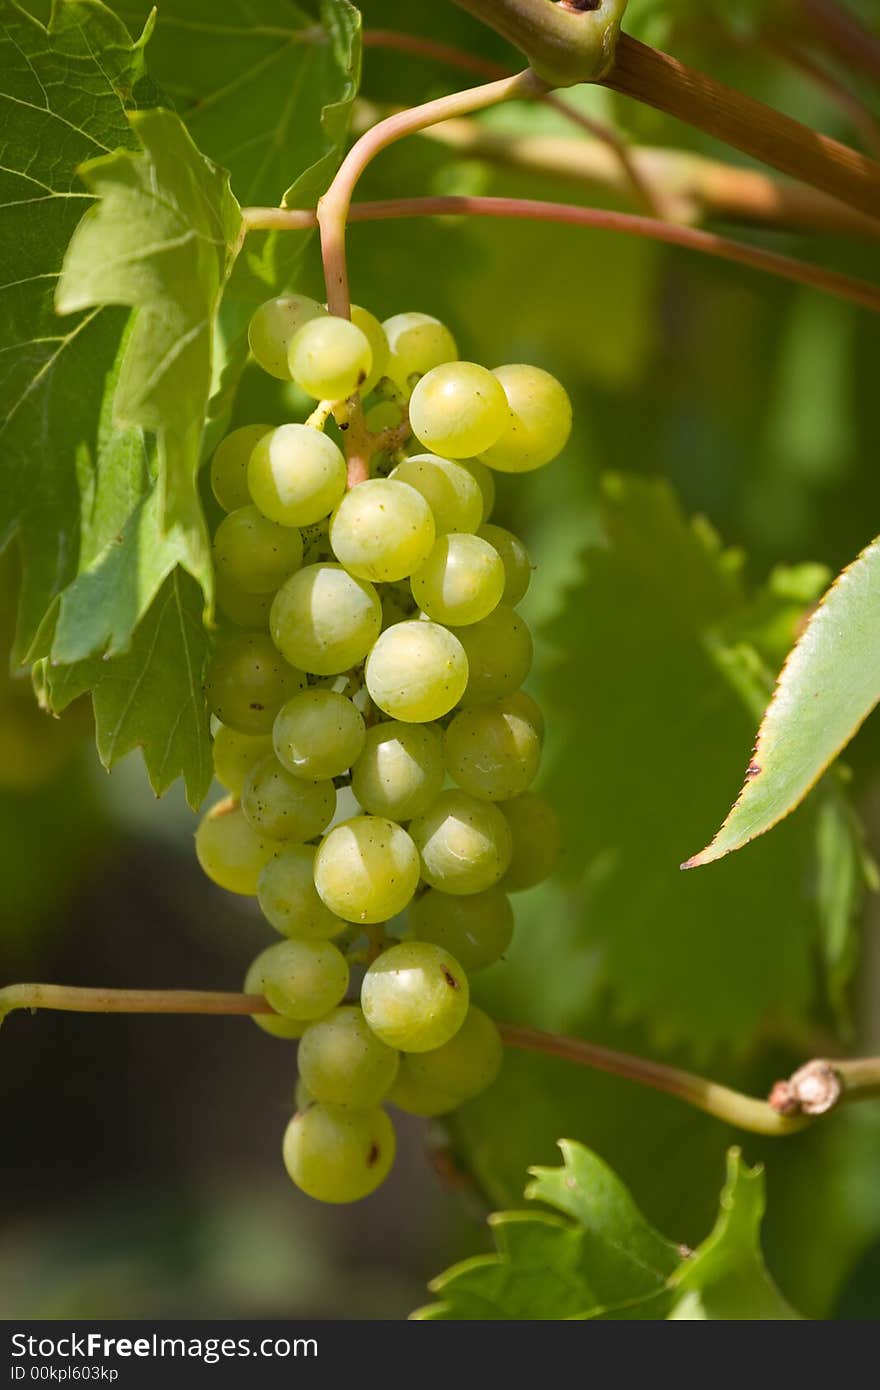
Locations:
(828, 687)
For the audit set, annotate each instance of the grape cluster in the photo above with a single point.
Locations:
(371, 730)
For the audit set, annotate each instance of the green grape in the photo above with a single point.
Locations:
(248, 682)
(415, 996)
(538, 424)
(416, 671)
(452, 493)
(326, 618)
(242, 609)
(465, 845)
(522, 704)
(302, 1098)
(285, 807)
(458, 410)
(416, 342)
(235, 754)
(401, 770)
(330, 358)
(230, 464)
(276, 1025)
(318, 733)
(476, 928)
(413, 1098)
(339, 1155)
(255, 553)
(385, 415)
(499, 654)
(342, 1062)
(464, 1066)
(273, 325)
(296, 475)
(461, 581)
(537, 841)
(482, 476)
(515, 559)
(229, 850)
(375, 336)
(382, 530)
(288, 897)
(302, 980)
(367, 869)
(492, 752)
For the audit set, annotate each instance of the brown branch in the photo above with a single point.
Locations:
(70, 999)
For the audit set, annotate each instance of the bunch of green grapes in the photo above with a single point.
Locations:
(372, 734)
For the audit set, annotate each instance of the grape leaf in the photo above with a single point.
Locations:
(827, 688)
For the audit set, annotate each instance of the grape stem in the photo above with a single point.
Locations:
(814, 1089)
(692, 238)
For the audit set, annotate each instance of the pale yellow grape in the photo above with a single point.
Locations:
(229, 465)
(492, 752)
(537, 841)
(499, 654)
(285, 807)
(417, 342)
(238, 607)
(458, 409)
(367, 869)
(302, 980)
(415, 996)
(229, 850)
(460, 582)
(248, 681)
(338, 1155)
(382, 530)
(464, 1066)
(273, 325)
(235, 754)
(482, 476)
(465, 845)
(276, 1025)
(527, 708)
(342, 1062)
(452, 493)
(413, 1098)
(515, 559)
(476, 928)
(302, 1099)
(327, 617)
(255, 553)
(296, 475)
(375, 336)
(416, 671)
(400, 771)
(288, 897)
(317, 734)
(539, 420)
(330, 358)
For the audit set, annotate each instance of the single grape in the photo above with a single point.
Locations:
(385, 415)
(460, 582)
(230, 464)
(339, 1155)
(537, 841)
(302, 980)
(400, 771)
(492, 752)
(475, 928)
(229, 850)
(515, 559)
(524, 707)
(415, 996)
(318, 734)
(248, 682)
(458, 410)
(464, 1066)
(330, 358)
(375, 336)
(327, 617)
(382, 530)
(367, 869)
(484, 480)
(416, 671)
(499, 654)
(288, 897)
(342, 1062)
(465, 845)
(255, 553)
(539, 420)
(242, 609)
(285, 807)
(273, 325)
(276, 1025)
(417, 342)
(413, 1098)
(235, 754)
(296, 475)
(452, 493)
